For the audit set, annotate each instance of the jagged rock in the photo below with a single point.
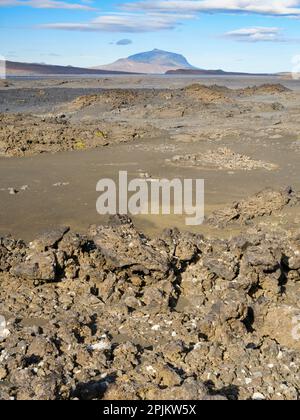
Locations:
(10, 253)
(264, 203)
(49, 239)
(189, 390)
(31, 387)
(260, 256)
(292, 252)
(124, 247)
(183, 245)
(40, 347)
(38, 266)
(223, 264)
(281, 323)
(157, 319)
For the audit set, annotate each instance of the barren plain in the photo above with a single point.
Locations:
(92, 308)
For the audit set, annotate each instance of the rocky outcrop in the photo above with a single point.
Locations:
(221, 159)
(266, 89)
(265, 203)
(27, 135)
(115, 315)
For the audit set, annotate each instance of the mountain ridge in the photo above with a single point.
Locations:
(151, 62)
(14, 68)
(219, 72)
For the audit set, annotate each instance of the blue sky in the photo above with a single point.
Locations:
(236, 35)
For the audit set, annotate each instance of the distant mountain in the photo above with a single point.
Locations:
(202, 72)
(288, 75)
(33, 69)
(155, 62)
(159, 62)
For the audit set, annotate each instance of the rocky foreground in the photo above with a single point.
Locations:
(115, 315)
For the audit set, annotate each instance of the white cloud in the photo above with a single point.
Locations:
(258, 34)
(290, 8)
(46, 4)
(157, 15)
(122, 42)
(120, 22)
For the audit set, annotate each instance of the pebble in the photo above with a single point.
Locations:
(103, 344)
(145, 175)
(12, 191)
(4, 332)
(155, 327)
(61, 184)
(258, 396)
(3, 373)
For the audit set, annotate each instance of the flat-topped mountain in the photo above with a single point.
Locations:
(155, 61)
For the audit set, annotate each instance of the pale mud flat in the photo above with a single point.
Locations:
(61, 187)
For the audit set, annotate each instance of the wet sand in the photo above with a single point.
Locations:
(45, 205)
